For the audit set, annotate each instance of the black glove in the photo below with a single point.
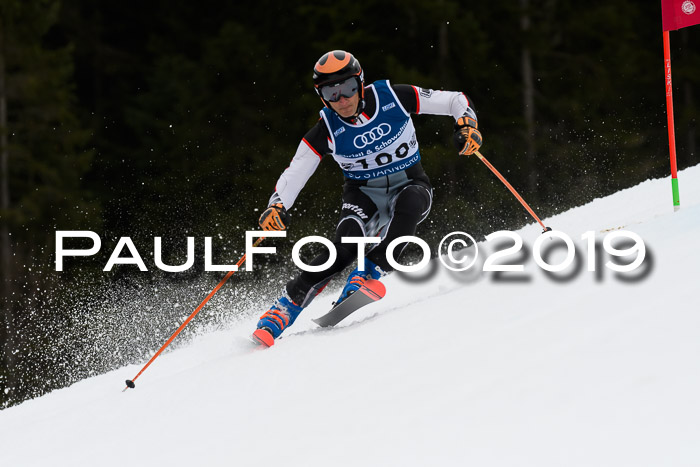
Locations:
(275, 217)
(467, 138)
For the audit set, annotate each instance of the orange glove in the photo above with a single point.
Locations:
(467, 138)
(275, 217)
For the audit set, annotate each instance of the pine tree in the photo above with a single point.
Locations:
(43, 162)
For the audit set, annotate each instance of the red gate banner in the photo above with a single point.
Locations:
(677, 14)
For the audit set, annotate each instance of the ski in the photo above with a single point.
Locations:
(370, 292)
(263, 338)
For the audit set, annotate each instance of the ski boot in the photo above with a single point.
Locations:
(356, 279)
(275, 320)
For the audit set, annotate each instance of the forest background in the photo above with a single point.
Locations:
(175, 119)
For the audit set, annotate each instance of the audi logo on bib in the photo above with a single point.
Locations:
(369, 137)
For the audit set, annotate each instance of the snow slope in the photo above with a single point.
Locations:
(592, 371)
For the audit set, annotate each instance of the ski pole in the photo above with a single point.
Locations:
(130, 382)
(512, 190)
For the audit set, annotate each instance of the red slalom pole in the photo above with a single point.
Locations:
(512, 190)
(130, 382)
(671, 126)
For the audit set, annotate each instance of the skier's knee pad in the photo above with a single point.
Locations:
(414, 201)
(350, 226)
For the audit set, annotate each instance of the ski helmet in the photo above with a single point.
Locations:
(335, 67)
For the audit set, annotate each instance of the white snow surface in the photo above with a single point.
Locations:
(586, 372)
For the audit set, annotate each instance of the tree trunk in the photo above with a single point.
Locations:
(5, 261)
(4, 156)
(690, 150)
(528, 99)
(444, 61)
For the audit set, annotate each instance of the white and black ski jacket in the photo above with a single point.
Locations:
(317, 142)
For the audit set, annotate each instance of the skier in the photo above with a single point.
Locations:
(369, 132)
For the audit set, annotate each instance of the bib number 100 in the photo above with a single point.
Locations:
(385, 158)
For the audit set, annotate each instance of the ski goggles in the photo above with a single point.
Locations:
(333, 92)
